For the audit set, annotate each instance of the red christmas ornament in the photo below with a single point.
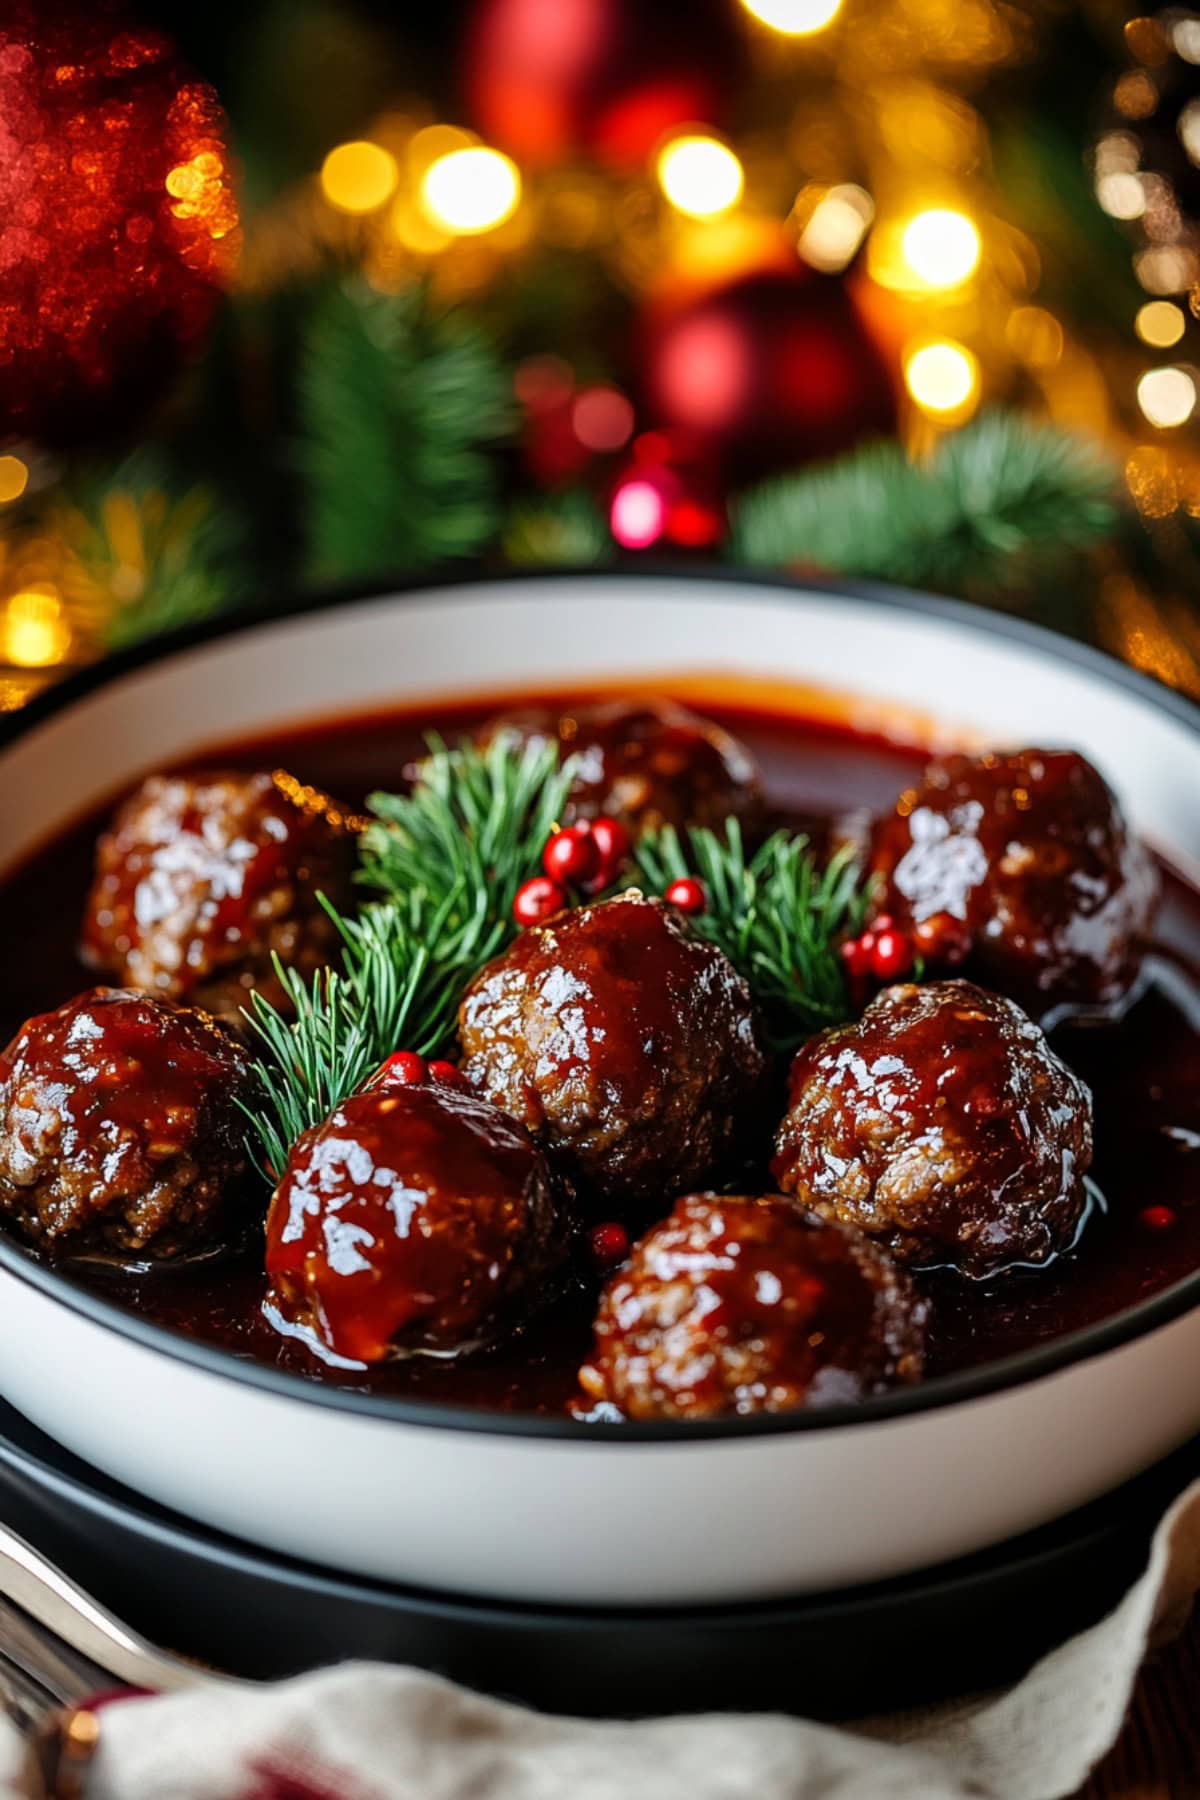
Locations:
(547, 79)
(570, 857)
(767, 371)
(118, 225)
(687, 894)
(538, 899)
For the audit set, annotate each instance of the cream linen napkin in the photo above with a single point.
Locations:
(366, 1732)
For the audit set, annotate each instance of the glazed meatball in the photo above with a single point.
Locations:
(120, 1128)
(202, 878)
(648, 763)
(738, 1305)
(415, 1219)
(942, 1125)
(623, 1041)
(1023, 865)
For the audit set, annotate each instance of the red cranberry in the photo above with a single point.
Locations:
(891, 955)
(570, 857)
(856, 955)
(538, 899)
(448, 1073)
(609, 1244)
(687, 894)
(403, 1068)
(611, 842)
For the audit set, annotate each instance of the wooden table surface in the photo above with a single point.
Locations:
(1158, 1754)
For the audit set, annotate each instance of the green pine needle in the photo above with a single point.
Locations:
(778, 915)
(448, 859)
(399, 404)
(995, 497)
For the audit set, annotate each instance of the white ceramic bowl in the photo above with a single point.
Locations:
(543, 1509)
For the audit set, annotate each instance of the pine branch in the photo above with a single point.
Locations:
(398, 404)
(778, 916)
(995, 498)
(448, 858)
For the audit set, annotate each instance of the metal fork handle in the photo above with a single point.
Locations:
(63, 1608)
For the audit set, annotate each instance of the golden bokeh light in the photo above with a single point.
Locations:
(1035, 337)
(941, 247)
(1121, 194)
(1167, 397)
(700, 176)
(836, 227)
(943, 378)
(33, 632)
(359, 177)
(1161, 323)
(14, 478)
(471, 190)
(794, 18)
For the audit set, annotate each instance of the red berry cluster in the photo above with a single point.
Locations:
(881, 953)
(404, 1068)
(586, 857)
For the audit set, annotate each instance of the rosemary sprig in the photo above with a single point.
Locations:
(778, 915)
(449, 858)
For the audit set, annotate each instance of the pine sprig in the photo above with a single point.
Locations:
(399, 404)
(448, 859)
(994, 499)
(778, 915)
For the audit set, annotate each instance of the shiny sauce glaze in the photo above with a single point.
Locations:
(1144, 1072)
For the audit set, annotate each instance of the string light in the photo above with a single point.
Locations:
(14, 478)
(836, 227)
(942, 377)
(700, 176)
(34, 633)
(471, 190)
(1167, 396)
(1160, 323)
(359, 177)
(941, 247)
(638, 516)
(794, 18)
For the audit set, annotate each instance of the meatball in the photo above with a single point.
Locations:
(943, 1126)
(1024, 865)
(203, 878)
(415, 1219)
(646, 762)
(623, 1041)
(738, 1305)
(120, 1127)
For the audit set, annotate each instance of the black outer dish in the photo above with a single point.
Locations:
(838, 1655)
(1008, 1372)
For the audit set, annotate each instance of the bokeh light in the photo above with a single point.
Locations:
(602, 419)
(941, 247)
(1160, 323)
(34, 634)
(1167, 397)
(471, 190)
(942, 377)
(14, 478)
(638, 515)
(700, 176)
(359, 177)
(836, 227)
(795, 18)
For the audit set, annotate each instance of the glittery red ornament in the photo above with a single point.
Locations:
(546, 79)
(118, 224)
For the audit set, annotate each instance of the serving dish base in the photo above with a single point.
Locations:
(963, 1626)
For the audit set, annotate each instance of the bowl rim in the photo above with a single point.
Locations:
(1002, 1375)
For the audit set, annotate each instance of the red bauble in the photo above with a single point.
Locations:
(767, 371)
(546, 79)
(117, 218)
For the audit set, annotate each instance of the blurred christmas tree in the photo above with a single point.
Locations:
(898, 288)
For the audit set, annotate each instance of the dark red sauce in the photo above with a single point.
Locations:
(1144, 1071)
